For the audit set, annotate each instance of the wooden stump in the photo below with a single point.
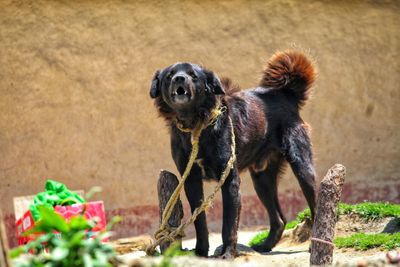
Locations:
(325, 218)
(3, 244)
(167, 183)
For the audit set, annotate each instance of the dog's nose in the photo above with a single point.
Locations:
(179, 79)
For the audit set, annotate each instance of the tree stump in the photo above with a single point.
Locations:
(167, 183)
(325, 218)
(3, 244)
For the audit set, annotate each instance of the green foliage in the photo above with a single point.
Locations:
(69, 248)
(371, 211)
(366, 210)
(302, 215)
(258, 238)
(361, 241)
(55, 193)
(173, 251)
(292, 224)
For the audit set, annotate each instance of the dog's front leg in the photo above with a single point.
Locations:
(231, 214)
(194, 194)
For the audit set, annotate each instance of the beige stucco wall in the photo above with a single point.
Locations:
(74, 79)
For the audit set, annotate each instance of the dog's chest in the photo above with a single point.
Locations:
(207, 169)
(212, 159)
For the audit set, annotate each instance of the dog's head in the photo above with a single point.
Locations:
(185, 86)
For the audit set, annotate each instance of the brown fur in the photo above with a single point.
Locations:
(290, 69)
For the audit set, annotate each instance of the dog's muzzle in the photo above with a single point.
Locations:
(182, 91)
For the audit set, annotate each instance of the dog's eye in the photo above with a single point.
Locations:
(169, 76)
(194, 77)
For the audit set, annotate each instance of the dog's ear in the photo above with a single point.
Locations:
(155, 85)
(213, 83)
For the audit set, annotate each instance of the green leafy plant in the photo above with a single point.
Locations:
(68, 247)
(258, 238)
(366, 210)
(361, 241)
(173, 251)
(370, 210)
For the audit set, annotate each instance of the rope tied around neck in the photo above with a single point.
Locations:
(212, 119)
(166, 233)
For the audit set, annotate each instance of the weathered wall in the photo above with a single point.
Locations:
(74, 101)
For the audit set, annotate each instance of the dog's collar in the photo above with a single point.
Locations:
(212, 119)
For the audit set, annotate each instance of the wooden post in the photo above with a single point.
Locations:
(167, 183)
(3, 244)
(325, 218)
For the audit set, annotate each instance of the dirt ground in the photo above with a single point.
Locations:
(283, 255)
(289, 252)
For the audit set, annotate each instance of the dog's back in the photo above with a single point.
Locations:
(262, 115)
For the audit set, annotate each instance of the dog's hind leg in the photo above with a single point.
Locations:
(265, 184)
(297, 146)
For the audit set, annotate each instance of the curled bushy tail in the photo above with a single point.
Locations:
(291, 71)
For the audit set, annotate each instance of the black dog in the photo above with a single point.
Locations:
(269, 132)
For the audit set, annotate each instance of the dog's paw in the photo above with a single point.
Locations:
(261, 248)
(228, 254)
(201, 252)
(270, 242)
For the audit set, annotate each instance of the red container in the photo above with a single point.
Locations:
(93, 209)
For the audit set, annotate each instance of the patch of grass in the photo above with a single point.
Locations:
(173, 251)
(361, 241)
(305, 214)
(259, 238)
(370, 210)
(366, 210)
(291, 224)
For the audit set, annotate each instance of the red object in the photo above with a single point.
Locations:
(93, 210)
